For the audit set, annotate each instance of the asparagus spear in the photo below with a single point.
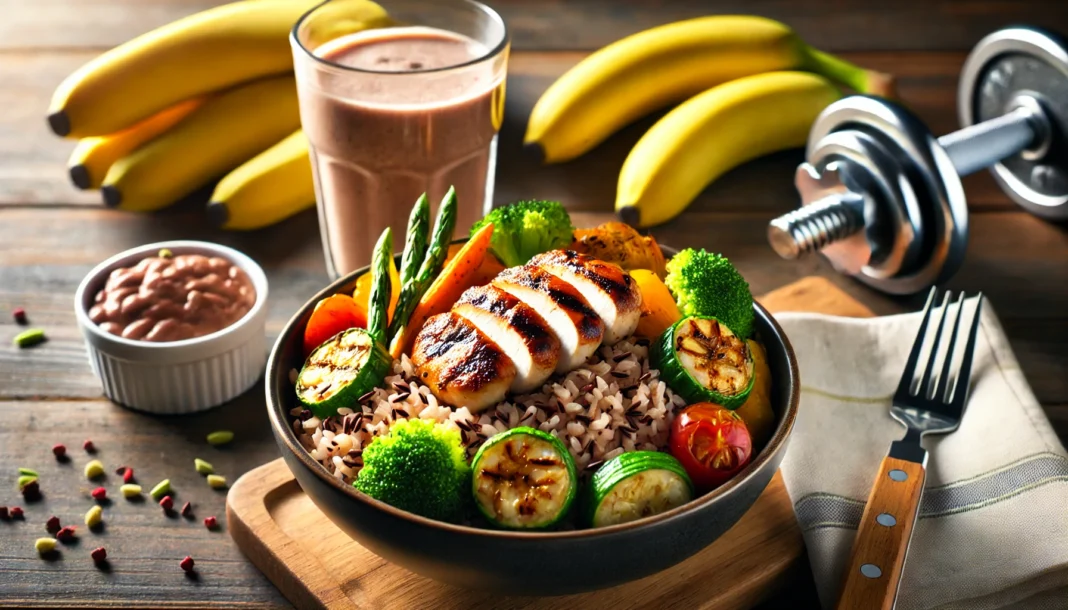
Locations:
(415, 241)
(378, 303)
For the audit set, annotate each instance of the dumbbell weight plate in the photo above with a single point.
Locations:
(1030, 62)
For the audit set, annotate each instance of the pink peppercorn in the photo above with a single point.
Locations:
(187, 509)
(16, 512)
(66, 534)
(89, 446)
(3, 512)
(52, 525)
(211, 522)
(59, 450)
(186, 564)
(99, 493)
(99, 554)
(166, 503)
(20, 315)
(127, 477)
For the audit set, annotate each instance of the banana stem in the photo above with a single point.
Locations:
(851, 75)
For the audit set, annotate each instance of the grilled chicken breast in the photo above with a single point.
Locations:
(577, 326)
(517, 329)
(609, 290)
(461, 365)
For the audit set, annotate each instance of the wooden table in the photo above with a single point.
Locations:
(51, 235)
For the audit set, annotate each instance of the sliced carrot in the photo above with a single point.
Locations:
(332, 315)
(362, 293)
(459, 274)
(489, 269)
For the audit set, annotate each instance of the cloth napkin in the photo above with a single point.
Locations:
(993, 524)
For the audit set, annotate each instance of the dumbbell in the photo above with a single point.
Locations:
(882, 198)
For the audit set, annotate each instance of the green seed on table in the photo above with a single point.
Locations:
(130, 490)
(203, 467)
(220, 437)
(25, 479)
(216, 481)
(94, 516)
(45, 545)
(29, 338)
(94, 469)
(29, 471)
(161, 488)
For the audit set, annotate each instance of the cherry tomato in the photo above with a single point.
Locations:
(332, 315)
(711, 442)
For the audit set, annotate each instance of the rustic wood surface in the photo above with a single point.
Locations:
(51, 235)
(292, 541)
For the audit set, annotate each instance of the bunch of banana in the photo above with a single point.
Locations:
(752, 85)
(209, 95)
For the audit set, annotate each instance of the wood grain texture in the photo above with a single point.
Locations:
(587, 24)
(315, 564)
(879, 545)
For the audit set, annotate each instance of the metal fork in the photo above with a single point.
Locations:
(931, 406)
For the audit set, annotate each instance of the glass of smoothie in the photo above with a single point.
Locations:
(410, 105)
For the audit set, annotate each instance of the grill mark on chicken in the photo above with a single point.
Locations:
(606, 276)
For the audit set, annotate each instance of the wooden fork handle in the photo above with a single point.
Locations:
(884, 533)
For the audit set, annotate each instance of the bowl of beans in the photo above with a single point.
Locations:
(174, 327)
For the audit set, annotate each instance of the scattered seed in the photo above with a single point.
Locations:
(130, 491)
(53, 525)
(366, 396)
(20, 315)
(186, 564)
(26, 479)
(3, 512)
(166, 503)
(121, 471)
(203, 467)
(89, 446)
(94, 517)
(29, 471)
(59, 450)
(187, 509)
(211, 522)
(29, 338)
(99, 493)
(594, 465)
(45, 546)
(645, 377)
(128, 476)
(31, 491)
(66, 534)
(305, 415)
(165, 253)
(216, 481)
(400, 412)
(16, 512)
(220, 437)
(98, 554)
(94, 469)
(161, 488)
(620, 374)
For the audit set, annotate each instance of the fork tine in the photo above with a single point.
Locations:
(961, 385)
(904, 387)
(921, 391)
(940, 391)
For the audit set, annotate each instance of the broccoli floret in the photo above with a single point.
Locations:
(706, 284)
(524, 229)
(419, 467)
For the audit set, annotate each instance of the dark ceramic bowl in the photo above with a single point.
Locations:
(529, 563)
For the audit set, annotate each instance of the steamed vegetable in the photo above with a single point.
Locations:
(702, 360)
(415, 239)
(415, 286)
(711, 442)
(362, 292)
(455, 278)
(526, 228)
(338, 372)
(756, 410)
(378, 303)
(332, 315)
(523, 479)
(637, 484)
(419, 467)
(659, 311)
(708, 285)
(620, 243)
(487, 270)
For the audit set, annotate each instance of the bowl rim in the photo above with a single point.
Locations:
(284, 431)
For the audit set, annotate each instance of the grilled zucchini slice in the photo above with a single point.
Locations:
(345, 367)
(523, 479)
(702, 360)
(637, 484)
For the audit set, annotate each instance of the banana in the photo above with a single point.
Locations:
(205, 52)
(266, 189)
(712, 133)
(664, 65)
(93, 156)
(227, 130)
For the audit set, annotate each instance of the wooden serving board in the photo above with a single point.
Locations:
(315, 565)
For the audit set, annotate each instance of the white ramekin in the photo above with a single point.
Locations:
(178, 376)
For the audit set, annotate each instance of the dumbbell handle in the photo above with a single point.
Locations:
(981, 145)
